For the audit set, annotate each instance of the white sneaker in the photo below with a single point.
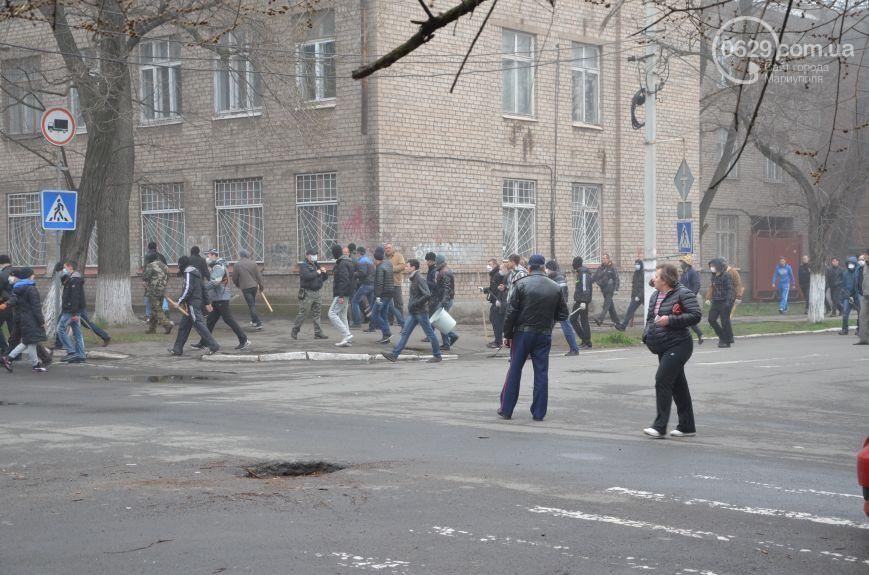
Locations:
(652, 432)
(677, 433)
(343, 344)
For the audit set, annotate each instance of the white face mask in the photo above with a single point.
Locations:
(861, 263)
(313, 257)
(850, 266)
(713, 270)
(489, 268)
(638, 267)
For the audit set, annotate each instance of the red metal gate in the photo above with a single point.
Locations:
(766, 249)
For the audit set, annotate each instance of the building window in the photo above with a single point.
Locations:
(317, 59)
(240, 226)
(317, 212)
(726, 230)
(585, 218)
(26, 236)
(19, 84)
(585, 69)
(93, 252)
(160, 79)
(236, 83)
(722, 142)
(75, 108)
(163, 219)
(517, 64)
(517, 201)
(772, 172)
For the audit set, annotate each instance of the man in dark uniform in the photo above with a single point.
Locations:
(534, 305)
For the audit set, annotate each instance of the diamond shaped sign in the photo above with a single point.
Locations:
(684, 180)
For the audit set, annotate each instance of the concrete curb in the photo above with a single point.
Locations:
(802, 332)
(315, 356)
(105, 355)
(287, 356)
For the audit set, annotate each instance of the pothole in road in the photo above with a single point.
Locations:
(269, 469)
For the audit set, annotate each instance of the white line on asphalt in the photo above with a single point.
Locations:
(734, 361)
(798, 515)
(554, 511)
(359, 562)
(784, 489)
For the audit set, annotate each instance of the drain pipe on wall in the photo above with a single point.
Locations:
(554, 173)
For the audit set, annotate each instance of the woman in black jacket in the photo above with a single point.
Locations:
(29, 322)
(672, 309)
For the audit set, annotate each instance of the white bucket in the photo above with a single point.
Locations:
(442, 321)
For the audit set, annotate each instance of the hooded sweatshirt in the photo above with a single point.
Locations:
(218, 285)
(72, 300)
(195, 295)
(849, 279)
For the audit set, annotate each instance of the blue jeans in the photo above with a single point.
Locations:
(89, 324)
(447, 336)
(380, 316)
(395, 312)
(414, 319)
(847, 306)
(537, 346)
(568, 335)
(783, 289)
(363, 291)
(148, 306)
(76, 347)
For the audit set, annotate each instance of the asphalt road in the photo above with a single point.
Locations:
(116, 468)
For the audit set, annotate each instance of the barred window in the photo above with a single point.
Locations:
(317, 59)
(317, 212)
(163, 219)
(236, 82)
(517, 64)
(585, 218)
(20, 79)
(517, 200)
(725, 234)
(160, 79)
(585, 69)
(240, 225)
(26, 236)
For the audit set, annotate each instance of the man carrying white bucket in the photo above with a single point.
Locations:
(447, 290)
(417, 313)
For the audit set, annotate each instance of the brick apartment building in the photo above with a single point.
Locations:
(284, 150)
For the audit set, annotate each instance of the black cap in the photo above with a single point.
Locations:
(22, 273)
(552, 265)
(310, 252)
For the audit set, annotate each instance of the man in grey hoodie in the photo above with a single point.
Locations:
(193, 299)
(220, 294)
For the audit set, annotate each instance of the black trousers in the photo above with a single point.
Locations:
(496, 318)
(804, 289)
(220, 309)
(579, 321)
(608, 307)
(250, 299)
(196, 320)
(5, 318)
(671, 386)
(723, 330)
(632, 309)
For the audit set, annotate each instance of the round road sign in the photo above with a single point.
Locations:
(58, 126)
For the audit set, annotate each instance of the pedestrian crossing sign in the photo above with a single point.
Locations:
(59, 209)
(685, 237)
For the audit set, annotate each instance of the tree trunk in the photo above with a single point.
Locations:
(817, 297)
(113, 297)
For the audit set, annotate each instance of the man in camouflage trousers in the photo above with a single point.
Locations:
(156, 276)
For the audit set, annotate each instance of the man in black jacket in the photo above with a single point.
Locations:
(446, 283)
(384, 288)
(607, 278)
(311, 278)
(582, 294)
(5, 293)
(72, 306)
(496, 295)
(195, 301)
(417, 314)
(721, 302)
(342, 291)
(556, 276)
(804, 276)
(637, 287)
(534, 305)
(197, 261)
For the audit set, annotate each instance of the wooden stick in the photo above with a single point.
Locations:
(265, 299)
(176, 305)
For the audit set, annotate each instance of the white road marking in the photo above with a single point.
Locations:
(833, 556)
(451, 532)
(735, 361)
(371, 563)
(785, 489)
(627, 523)
(767, 512)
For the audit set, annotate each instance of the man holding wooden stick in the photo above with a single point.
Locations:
(195, 298)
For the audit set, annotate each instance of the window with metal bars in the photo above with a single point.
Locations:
(240, 217)
(163, 219)
(317, 213)
(518, 198)
(26, 236)
(585, 222)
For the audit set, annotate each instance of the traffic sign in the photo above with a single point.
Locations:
(684, 180)
(59, 209)
(685, 237)
(58, 126)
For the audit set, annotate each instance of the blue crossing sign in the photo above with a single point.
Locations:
(59, 209)
(685, 236)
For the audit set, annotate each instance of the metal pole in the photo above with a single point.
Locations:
(554, 175)
(650, 255)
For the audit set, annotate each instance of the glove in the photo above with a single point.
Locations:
(738, 301)
(636, 299)
(851, 300)
(377, 300)
(582, 306)
(708, 302)
(497, 303)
